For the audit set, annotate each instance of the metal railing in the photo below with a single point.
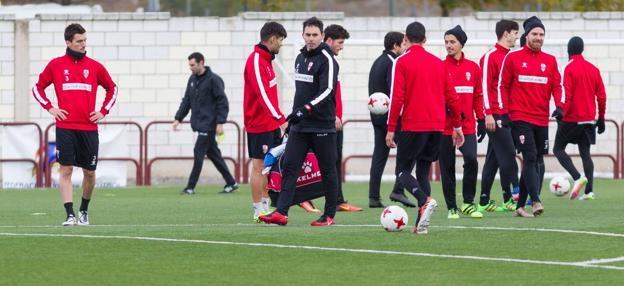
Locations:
(149, 162)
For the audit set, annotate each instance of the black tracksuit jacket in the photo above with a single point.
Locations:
(205, 98)
(316, 74)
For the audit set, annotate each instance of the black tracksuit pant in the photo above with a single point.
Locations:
(447, 169)
(324, 147)
(380, 157)
(206, 145)
(501, 154)
(339, 141)
(416, 149)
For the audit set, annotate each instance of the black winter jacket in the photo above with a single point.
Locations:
(316, 74)
(205, 98)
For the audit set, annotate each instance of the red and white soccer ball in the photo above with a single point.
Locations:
(559, 186)
(378, 103)
(393, 218)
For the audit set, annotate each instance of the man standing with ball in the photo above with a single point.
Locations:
(379, 80)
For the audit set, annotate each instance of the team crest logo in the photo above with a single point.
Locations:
(468, 75)
(85, 73)
(66, 73)
(524, 65)
(543, 67)
(521, 139)
(307, 167)
(310, 65)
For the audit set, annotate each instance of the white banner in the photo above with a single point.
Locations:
(20, 142)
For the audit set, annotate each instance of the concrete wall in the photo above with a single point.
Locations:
(146, 55)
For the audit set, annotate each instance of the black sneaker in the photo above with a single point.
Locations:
(375, 203)
(401, 198)
(229, 188)
(187, 192)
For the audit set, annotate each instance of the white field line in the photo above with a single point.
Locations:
(604, 260)
(319, 248)
(595, 233)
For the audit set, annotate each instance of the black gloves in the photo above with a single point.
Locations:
(298, 114)
(557, 114)
(601, 125)
(480, 130)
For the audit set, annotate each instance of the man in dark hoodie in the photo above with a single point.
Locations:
(583, 88)
(312, 124)
(205, 97)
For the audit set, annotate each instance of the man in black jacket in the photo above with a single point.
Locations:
(312, 124)
(205, 97)
(380, 80)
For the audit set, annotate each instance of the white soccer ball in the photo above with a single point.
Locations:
(378, 103)
(393, 218)
(559, 186)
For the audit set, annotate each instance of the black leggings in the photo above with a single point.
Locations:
(501, 154)
(588, 164)
(447, 169)
(380, 157)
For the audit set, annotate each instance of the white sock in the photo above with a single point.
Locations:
(257, 208)
(266, 202)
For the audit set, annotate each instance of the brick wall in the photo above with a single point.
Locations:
(146, 55)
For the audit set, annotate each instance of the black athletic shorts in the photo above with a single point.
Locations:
(574, 133)
(529, 136)
(259, 143)
(77, 148)
(418, 145)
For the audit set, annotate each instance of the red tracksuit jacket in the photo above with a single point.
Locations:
(491, 64)
(260, 102)
(467, 81)
(529, 79)
(75, 84)
(421, 91)
(582, 86)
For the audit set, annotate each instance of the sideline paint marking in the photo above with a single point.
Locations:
(605, 260)
(371, 251)
(608, 234)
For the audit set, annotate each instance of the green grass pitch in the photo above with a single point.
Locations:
(154, 236)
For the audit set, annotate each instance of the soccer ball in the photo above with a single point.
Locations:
(378, 103)
(559, 186)
(393, 218)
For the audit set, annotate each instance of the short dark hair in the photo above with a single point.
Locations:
(72, 30)
(503, 26)
(197, 56)
(336, 32)
(315, 22)
(415, 32)
(271, 29)
(393, 38)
